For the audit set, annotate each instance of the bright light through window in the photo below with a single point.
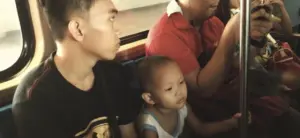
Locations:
(10, 34)
(138, 15)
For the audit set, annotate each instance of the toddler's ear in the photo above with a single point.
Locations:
(148, 98)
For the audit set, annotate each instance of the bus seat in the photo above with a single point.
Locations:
(7, 126)
(131, 66)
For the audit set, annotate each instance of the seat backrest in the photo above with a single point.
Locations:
(131, 67)
(7, 126)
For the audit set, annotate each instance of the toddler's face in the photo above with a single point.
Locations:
(169, 87)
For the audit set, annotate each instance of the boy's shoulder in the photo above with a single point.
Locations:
(146, 121)
(37, 82)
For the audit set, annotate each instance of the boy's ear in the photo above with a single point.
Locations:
(148, 98)
(75, 29)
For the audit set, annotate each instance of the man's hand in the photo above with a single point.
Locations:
(277, 2)
(261, 22)
(239, 115)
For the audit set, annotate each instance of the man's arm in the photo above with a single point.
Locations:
(128, 131)
(32, 122)
(209, 129)
(205, 81)
(149, 134)
(213, 74)
(209, 78)
(285, 23)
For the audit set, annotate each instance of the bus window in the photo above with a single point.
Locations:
(10, 34)
(136, 16)
(16, 39)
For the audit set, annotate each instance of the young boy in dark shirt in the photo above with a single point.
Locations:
(78, 91)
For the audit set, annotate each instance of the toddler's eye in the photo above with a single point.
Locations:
(112, 18)
(168, 89)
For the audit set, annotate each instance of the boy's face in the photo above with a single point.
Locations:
(100, 36)
(203, 9)
(169, 87)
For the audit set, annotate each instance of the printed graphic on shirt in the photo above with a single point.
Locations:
(97, 128)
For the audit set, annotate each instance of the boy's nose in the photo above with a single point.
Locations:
(179, 93)
(118, 33)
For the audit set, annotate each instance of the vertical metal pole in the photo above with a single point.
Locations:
(244, 55)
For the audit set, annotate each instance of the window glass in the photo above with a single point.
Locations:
(10, 34)
(138, 15)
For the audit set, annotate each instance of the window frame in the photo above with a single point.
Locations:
(28, 39)
(134, 37)
(132, 46)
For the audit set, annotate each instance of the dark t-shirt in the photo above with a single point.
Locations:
(45, 105)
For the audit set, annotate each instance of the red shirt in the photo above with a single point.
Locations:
(175, 37)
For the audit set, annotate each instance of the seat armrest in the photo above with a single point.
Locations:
(284, 37)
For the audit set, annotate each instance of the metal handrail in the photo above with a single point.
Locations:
(244, 56)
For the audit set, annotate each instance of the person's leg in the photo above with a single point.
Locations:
(294, 97)
(288, 125)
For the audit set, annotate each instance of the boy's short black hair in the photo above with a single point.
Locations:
(147, 68)
(58, 12)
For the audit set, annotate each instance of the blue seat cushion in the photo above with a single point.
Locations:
(7, 126)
